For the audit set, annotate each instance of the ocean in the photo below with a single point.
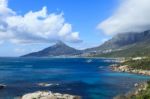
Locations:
(90, 78)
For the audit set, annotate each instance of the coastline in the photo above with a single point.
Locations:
(46, 85)
(135, 92)
(139, 88)
(127, 69)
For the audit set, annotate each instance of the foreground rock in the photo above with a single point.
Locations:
(48, 95)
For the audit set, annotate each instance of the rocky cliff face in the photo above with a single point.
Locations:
(125, 45)
(123, 40)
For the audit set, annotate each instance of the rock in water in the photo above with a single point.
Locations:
(44, 84)
(2, 86)
(47, 84)
(48, 95)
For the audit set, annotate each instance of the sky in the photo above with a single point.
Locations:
(31, 25)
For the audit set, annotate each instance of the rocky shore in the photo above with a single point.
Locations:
(128, 69)
(48, 95)
(138, 88)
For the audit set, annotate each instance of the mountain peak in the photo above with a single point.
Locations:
(59, 49)
(60, 43)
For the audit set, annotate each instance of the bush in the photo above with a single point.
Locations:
(143, 64)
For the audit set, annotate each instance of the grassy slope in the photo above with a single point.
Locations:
(143, 64)
(140, 49)
(143, 94)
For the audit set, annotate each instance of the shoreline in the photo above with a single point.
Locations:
(68, 57)
(127, 69)
(138, 87)
(137, 90)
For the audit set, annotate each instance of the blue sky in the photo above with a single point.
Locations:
(83, 15)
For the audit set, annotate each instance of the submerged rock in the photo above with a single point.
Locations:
(2, 86)
(48, 95)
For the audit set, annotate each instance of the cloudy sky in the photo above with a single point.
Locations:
(31, 25)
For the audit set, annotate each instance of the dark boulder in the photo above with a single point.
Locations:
(2, 86)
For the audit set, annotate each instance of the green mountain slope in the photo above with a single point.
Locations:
(126, 45)
(139, 49)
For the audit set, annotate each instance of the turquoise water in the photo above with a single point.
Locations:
(89, 78)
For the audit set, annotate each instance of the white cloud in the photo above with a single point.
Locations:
(131, 16)
(34, 27)
(4, 10)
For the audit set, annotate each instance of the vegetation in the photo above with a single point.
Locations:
(143, 94)
(140, 49)
(143, 64)
(126, 45)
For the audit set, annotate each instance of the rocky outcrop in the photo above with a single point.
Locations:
(127, 69)
(137, 90)
(47, 84)
(48, 95)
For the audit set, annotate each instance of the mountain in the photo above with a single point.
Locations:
(126, 44)
(122, 45)
(59, 49)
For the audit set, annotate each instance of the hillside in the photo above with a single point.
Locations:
(125, 45)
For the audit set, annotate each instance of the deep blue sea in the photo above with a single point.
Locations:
(88, 77)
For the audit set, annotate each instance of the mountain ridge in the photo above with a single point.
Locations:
(127, 45)
(122, 40)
